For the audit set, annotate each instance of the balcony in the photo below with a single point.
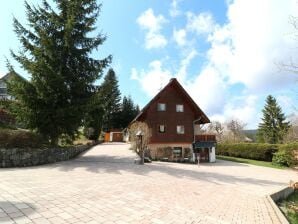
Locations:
(205, 138)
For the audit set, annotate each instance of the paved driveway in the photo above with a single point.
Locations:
(105, 186)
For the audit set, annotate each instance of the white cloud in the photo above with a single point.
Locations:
(247, 48)
(201, 23)
(152, 80)
(179, 36)
(152, 24)
(174, 11)
(155, 40)
(182, 72)
(244, 50)
(208, 90)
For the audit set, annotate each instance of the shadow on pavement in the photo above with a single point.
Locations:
(117, 165)
(13, 207)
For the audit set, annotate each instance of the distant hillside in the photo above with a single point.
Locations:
(252, 134)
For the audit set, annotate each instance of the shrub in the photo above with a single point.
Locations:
(20, 139)
(255, 151)
(286, 155)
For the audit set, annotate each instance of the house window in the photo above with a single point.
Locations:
(162, 128)
(180, 129)
(161, 107)
(179, 108)
(177, 151)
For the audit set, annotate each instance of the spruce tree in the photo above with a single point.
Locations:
(128, 111)
(274, 125)
(111, 98)
(56, 48)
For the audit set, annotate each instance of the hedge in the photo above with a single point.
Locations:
(255, 151)
(20, 139)
(286, 155)
(282, 154)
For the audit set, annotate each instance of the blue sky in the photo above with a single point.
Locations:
(226, 53)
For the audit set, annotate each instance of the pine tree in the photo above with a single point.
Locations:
(128, 111)
(111, 98)
(56, 50)
(274, 126)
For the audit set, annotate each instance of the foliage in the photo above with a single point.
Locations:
(94, 117)
(250, 161)
(128, 111)
(279, 154)
(274, 126)
(286, 155)
(111, 99)
(247, 150)
(20, 139)
(289, 206)
(56, 52)
(135, 141)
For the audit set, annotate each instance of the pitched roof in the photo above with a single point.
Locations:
(9, 75)
(173, 82)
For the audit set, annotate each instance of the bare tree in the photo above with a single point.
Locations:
(140, 135)
(236, 128)
(216, 128)
(292, 135)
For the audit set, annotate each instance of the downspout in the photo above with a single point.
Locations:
(194, 138)
(193, 123)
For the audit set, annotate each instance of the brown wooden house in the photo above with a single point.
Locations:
(174, 119)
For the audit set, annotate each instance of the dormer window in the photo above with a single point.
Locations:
(161, 107)
(179, 108)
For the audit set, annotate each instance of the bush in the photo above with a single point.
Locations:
(20, 139)
(255, 151)
(286, 155)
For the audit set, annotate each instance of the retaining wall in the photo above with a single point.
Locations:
(20, 157)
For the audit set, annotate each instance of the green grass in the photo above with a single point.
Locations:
(250, 161)
(289, 207)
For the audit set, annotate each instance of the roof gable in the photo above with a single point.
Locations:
(177, 86)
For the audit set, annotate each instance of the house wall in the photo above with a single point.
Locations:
(170, 118)
(160, 151)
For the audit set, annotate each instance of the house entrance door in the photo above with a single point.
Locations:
(204, 155)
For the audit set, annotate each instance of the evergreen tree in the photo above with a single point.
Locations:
(94, 116)
(128, 111)
(56, 50)
(111, 98)
(274, 126)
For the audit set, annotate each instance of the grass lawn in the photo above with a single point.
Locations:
(289, 207)
(250, 161)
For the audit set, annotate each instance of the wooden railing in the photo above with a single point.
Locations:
(205, 138)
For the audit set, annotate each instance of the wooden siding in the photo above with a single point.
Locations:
(170, 118)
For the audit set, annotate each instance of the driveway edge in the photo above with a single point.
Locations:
(281, 194)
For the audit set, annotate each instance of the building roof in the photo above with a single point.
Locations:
(9, 75)
(173, 82)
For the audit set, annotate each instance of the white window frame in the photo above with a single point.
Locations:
(179, 108)
(160, 129)
(180, 129)
(161, 107)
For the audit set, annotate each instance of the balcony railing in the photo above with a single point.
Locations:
(205, 138)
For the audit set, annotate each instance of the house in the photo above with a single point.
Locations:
(3, 86)
(174, 119)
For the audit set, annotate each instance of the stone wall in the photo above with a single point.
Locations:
(20, 157)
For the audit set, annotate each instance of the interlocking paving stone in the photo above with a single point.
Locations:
(105, 186)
